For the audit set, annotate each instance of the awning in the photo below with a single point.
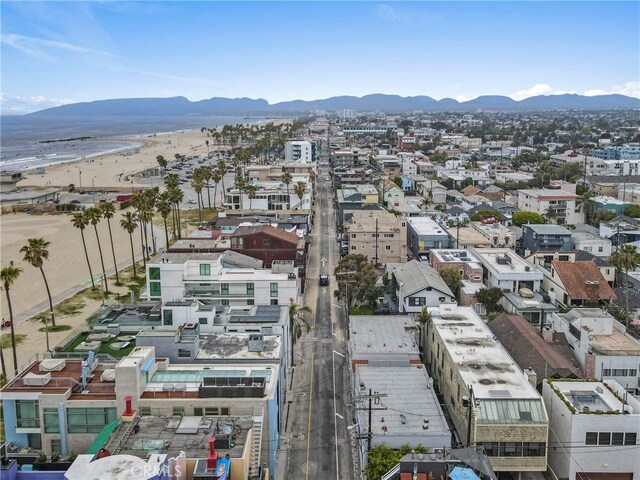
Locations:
(102, 438)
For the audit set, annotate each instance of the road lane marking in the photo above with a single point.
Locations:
(309, 421)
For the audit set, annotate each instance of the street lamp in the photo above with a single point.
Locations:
(335, 410)
(470, 403)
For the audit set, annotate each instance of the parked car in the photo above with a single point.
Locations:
(324, 280)
(191, 201)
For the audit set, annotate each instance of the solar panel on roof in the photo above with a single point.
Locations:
(500, 393)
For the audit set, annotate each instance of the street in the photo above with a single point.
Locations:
(317, 441)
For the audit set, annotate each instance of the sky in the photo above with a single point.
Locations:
(54, 53)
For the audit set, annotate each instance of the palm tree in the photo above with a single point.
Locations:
(3, 380)
(151, 196)
(216, 177)
(9, 275)
(222, 169)
(36, 252)
(198, 184)
(94, 215)
(108, 210)
(177, 195)
(164, 209)
(422, 318)
(300, 189)
(626, 258)
(129, 223)
(251, 190)
(296, 324)
(140, 203)
(287, 178)
(80, 221)
(207, 175)
(425, 202)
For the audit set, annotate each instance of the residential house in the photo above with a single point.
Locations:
(504, 269)
(597, 425)
(464, 261)
(389, 192)
(433, 190)
(378, 235)
(496, 235)
(493, 193)
(418, 285)
(577, 283)
(542, 260)
(588, 242)
(491, 401)
(545, 238)
(602, 346)
(423, 234)
(355, 198)
(559, 206)
(271, 195)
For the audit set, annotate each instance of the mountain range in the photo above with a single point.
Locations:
(180, 106)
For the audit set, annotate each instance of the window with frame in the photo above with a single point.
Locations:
(633, 372)
(155, 290)
(510, 449)
(182, 353)
(51, 420)
(417, 301)
(490, 448)
(604, 438)
(606, 372)
(534, 449)
(619, 372)
(27, 414)
(224, 301)
(266, 241)
(630, 438)
(617, 438)
(224, 289)
(202, 320)
(387, 247)
(178, 411)
(389, 235)
(353, 235)
(211, 411)
(591, 438)
(250, 288)
(274, 301)
(167, 317)
(250, 301)
(154, 273)
(273, 289)
(144, 411)
(56, 446)
(89, 420)
(197, 411)
(205, 269)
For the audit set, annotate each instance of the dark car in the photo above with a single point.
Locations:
(324, 280)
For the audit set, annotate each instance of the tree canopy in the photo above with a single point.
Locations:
(524, 218)
(453, 279)
(478, 216)
(632, 211)
(489, 298)
(382, 458)
(361, 277)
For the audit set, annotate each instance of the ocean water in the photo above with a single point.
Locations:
(21, 137)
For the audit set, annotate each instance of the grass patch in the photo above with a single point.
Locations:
(104, 348)
(69, 307)
(362, 310)
(5, 339)
(57, 328)
(191, 217)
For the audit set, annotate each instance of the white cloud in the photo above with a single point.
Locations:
(42, 48)
(392, 14)
(17, 105)
(630, 89)
(537, 89)
(461, 98)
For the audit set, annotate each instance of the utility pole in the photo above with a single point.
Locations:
(470, 404)
(376, 264)
(346, 297)
(372, 397)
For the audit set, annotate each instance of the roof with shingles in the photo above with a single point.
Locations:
(575, 275)
(416, 276)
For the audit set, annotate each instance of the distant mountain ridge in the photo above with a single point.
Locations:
(181, 106)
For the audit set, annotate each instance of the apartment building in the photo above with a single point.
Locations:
(496, 235)
(597, 426)
(576, 283)
(379, 235)
(355, 197)
(226, 278)
(465, 261)
(423, 234)
(598, 166)
(302, 151)
(545, 238)
(602, 346)
(557, 205)
(271, 195)
(589, 242)
(504, 269)
(490, 400)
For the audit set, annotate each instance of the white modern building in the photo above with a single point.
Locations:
(588, 242)
(302, 151)
(272, 195)
(497, 235)
(598, 166)
(226, 278)
(557, 205)
(504, 269)
(593, 430)
(602, 346)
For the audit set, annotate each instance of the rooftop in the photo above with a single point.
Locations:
(547, 229)
(415, 276)
(456, 256)
(589, 397)
(408, 389)
(238, 346)
(578, 276)
(505, 261)
(369, 220)
(425, 226)
(226, 258)
(466, 236)
(479, 357)
(549, 194)
(172, 435)
(387, 334)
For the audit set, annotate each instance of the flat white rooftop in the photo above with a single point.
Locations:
(456, 256)
(505, 261)
(383, 334)
(589, 397)
(426, 226)
(479, 357)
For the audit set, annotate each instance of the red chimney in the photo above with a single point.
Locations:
(212, 459)
(128, 410)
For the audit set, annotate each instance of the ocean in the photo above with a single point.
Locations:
(28, 142)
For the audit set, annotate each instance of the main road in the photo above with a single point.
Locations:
(317, 443)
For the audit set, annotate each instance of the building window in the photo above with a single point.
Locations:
(353, 235)
(606, 372)
(202, 321)
(51, 420)
(490, 448)
(224, 301)
(592, 438)
(89, 420)
(34, 440)
(604, 438)
(533, 449)
(224, 411)
(630, 438)
(155, 289)
(274, 301)
(632, 372)
(197, 411)
(617, 438)
(144, 411)
(353, 247)
(266, 241)
(178, 411)
(211, 411)
(250, 288)
(619, 372)
(205, 269)
(417, 301)
(56, 446)
(250, 301)
(389, 235)
(510, 449)
(27, 414)
(182, 353)
(387, 248)
(274, 289)
(224, 289)
(154, 273)
(167, 317)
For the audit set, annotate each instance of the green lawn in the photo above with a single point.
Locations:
(104, 348)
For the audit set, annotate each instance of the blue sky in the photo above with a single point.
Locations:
(55, 53)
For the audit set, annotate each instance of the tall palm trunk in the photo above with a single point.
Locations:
(113, 252)
(179, 222)
(146, 240)
(166, 232)
(86, 254)
(153, 236)
(104, 272)
(209, 197)
(173, 220)
(144, 250)
(46, 285)
(13, 332)
(626, 297)
(133, 256)
(199, 210)
(4, 368)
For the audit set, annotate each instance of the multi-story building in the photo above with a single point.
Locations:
(490, 400)
(504, 269)
(613, 167)
(559, 206)
(302, 151)
(271, 195)
(545, 238)
(595, 426)
(379, 235)
(355, 198)
(496, 234)
(576, 283)
(350, 158)
(465, 261)
(62, 405)
(589, 242)
(417, 285)
(227, 278)
(390, 192)
(626, 152)
(423, 234)
(602, 346)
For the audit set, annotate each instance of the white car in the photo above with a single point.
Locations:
(191, 201)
